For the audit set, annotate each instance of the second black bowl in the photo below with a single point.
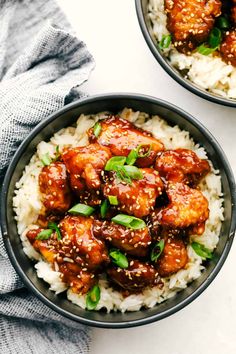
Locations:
(67, 116)
(145, 24)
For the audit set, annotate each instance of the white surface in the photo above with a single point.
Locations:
(124, 63)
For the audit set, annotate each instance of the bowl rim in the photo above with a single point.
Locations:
(86, 101)
(186, 83)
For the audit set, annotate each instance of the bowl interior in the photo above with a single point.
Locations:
(146, 27)
(68, 116)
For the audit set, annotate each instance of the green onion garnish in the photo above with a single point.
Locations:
(104, 208)
(165, 41)
(135, 154)
(223, 22)
(202, 49)
(129, 221)
(44, 235)
(114, 162)
(53, 226)
(145, 154)
(118, 258)
(46, 159)
(113, 200)
(57, 154)
(157, 250)
(133, 172)
(81, 209)
(201, 250)
(93, 297)
(97, 129)
(132, 157)
(215, 37)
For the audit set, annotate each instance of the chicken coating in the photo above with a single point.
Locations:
(139, 197)
(133, 242)
(136, 277)
(228, 47)
(80, 242)
(54, 186)
(79, 279)
(233, 12)
(85, 165)
(121, 136)
(181, 165)
(190, 21)
(173, 258)
(187, 207)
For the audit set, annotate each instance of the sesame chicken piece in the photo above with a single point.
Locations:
(121, 136)
(77, 277)
(181, 165)
(173, 258)
(85, 165)
(187, 207)
(136, 277)
(87, 250)
(54, 186)
(133, 242)
(139, 197)
(228, 47)
(190, 21)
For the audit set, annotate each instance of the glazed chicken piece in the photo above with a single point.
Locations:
(187, 207)
(228, 47)
(80, 242)
(181, 165)
(139, 197)
(136, 277)
(121, 136)
(190, 21)
(79, 279)
(173, 258)
(133, 242)
(84, 165)
(53, 184)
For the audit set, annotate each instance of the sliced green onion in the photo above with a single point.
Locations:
(97, 129)
(129, 221)
(81, 209)
(44, 235)
(135, 154)
(93, 297)
(202, 49)
(113, 200)
(118, 258)
(223, 22)
(165, 41)
(146, 154)
(201, 250)
(132, 157)
(53, 226)
(114, 162)
(57, 154)
(46, 159)
(122, 175)
(215, 37)
(157, 250)
(133, 172)
(104, 208)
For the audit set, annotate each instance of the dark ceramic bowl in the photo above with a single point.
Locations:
(145, 24)
(68, 116)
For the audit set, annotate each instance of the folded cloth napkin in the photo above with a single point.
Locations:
(41, 66)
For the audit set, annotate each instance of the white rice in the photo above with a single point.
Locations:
(27, 204)
(209, 72)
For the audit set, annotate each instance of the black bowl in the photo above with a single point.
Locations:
(66, 117)
(145, 24)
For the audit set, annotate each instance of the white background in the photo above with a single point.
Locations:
(124, 63)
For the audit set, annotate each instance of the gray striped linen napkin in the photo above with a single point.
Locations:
(41, 66)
